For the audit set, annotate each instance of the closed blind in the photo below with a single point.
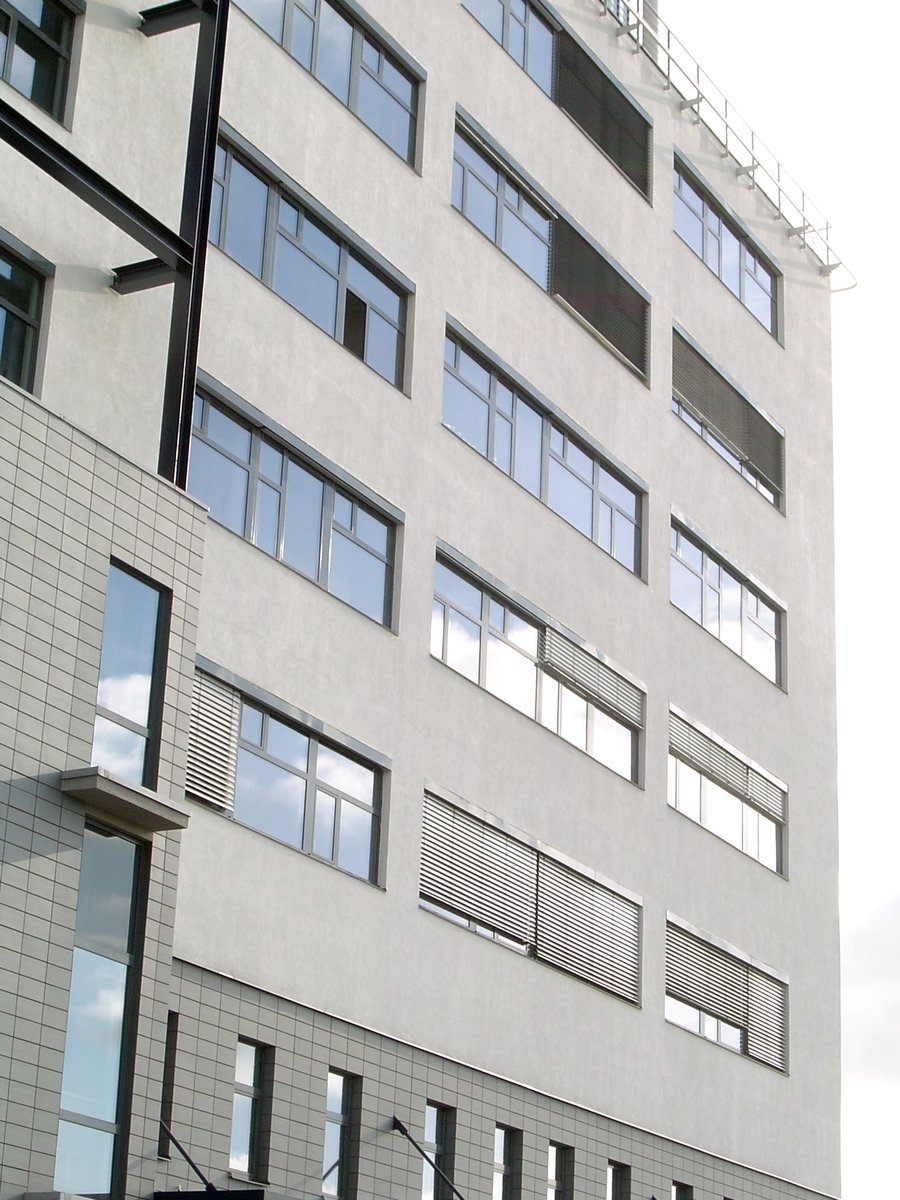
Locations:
(593, 678)
(212, 743)
(725, 768)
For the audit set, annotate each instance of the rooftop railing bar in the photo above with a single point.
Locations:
(639, 22)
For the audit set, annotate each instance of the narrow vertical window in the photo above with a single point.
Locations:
(94, 1100)
(618, 1181)
(560, 1169)
(247, 1125)
(132, 663)
(336, 1150)
(682, 1191)
(438, 1125)
(168, 1085)
(20, 309)
(506, 1148)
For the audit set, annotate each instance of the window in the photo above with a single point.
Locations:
(167, 1099)
(724, 998)
(437, 1144)
(336, 1155)
(727, 251)
(618, 1181)
(682, 1191)
(349, 61)
(536, 670)
(265, 228)
(718, 788)
(21, 291)
(249, 1118)
(94, 1101)
(561, 67)
(479, 877)
(507, 1152)
(35, 44)
(132, 667)
(559, 1172)
(489, 413)
(718, 413)
(552, 252)
(725, 605)
(257, 489)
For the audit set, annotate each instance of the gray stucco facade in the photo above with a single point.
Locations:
(471, 780)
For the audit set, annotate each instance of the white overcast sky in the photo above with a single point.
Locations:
(817, 81)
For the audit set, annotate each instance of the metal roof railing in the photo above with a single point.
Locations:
(639, 21)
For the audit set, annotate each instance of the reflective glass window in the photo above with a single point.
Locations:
(523, 34)
(21, 289)
(35, 45)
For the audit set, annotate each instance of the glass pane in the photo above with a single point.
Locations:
(372, 289)
(228, 433)
(731, 261)
(465, 413)
(522, 633)
(271, 462)
(355, 843)
(469, 156)
(320, 243)
(731, 612)
(118, 750)
(503, 443)
(90, 1082)
(490, 14)
(686, 590)
(245, 220)
(331, 1159)
(723, 813)
(688, 226)
(431, 1123)
(251, 724)
(384, 115)
(302, 520)
(16, 340)
(302, 30)
(682, 1014)
(267, 504)
(515, 43)
(730, 1035)
(335, 1092)
(241, 1132)
(570, 497)
(768, 842)
(462, 594)
(529, 426)
(626, 541)
(549, 702)
(323, 833)
(689, 785)
(245, 1064)
(525, 248)
(372, 530)
(269, 798)
(35, 69)
(463, 645)
(305, 285)
(333, 52)
(48, 17)
(573, 718)
(758, 301)
(19, 287)
(540, 52)
(382, 346)
(105, 892)
(510, 676)
(357, 576)
(288, 744)
(83, 1160)
(345, 774)
(343, 510)
(267, 14)
(612, 743)
(761, 650)
(480, 206)
(221, 485)
(437, 629)
(129, 646)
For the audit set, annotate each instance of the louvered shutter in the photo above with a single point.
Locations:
(591, 677)
(725, 987)
(478, 871)
(212, 745)
(598, 293)
(601, 109)
(725, 768)
(588, 930)
(727, 413)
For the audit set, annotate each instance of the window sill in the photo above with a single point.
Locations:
(123, 803)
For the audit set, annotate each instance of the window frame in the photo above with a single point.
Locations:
(64, 51)
(42, 272)
(507, 1169)
(334, 483)
(750, 254)
(363, 29)
(231, 148)
(440, 1149)
(618, 1180)
(552, 419)
(346, 1120)
(259, 1094)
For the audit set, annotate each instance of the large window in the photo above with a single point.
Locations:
(269, 231)
(485, 880)
(281, 504)
(337, 1183)
(563, 68)
(349, 61)
(250, 1116)
(94, 1100)
(536, 450)
(728, 607)
(727, 421)
(724, 998)
(35, 44)
(727, 251)
(716, 787)
(132, 668)
(536, 670)
(549, 250)
(21, 290)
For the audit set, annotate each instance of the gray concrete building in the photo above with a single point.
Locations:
(417, 713)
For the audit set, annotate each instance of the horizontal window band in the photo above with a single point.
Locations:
(726, 767)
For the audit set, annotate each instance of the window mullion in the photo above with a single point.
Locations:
(326, 531)
(309, 816)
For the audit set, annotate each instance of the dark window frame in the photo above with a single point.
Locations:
(347, 1120)
(440, 1149)
(259, 1092)
(40, 271)
(60, 48)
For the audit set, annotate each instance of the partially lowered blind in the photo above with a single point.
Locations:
(721, 406)
(588, 930)
(603, 111)
(212, 742)
(706, 977)
(478, 871)
(725, 768)
(591, 677)
(604, 298)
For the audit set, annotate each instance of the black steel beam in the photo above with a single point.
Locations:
(138, 276)
(86, 183)
(177, 14)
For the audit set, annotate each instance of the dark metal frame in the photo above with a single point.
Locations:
(178, 258)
